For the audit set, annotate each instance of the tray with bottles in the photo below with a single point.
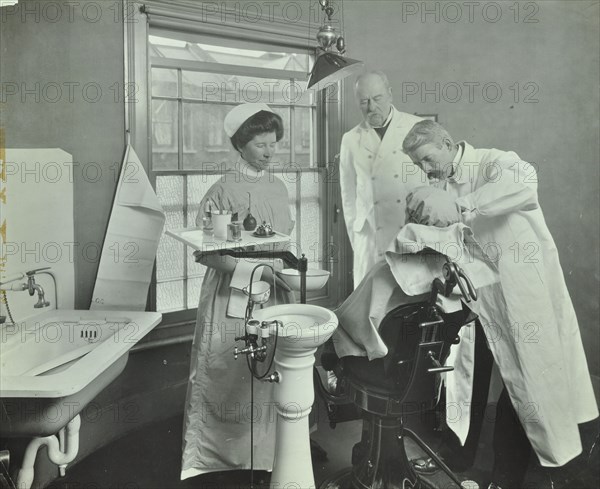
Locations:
(198, 239)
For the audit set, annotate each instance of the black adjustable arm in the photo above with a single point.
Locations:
(287, 256)
(290, 260)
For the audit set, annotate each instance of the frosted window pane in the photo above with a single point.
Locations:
(169, 257)
(169, 190)
(169, 296)
(303, 137)
(312, 239)
(164, 135)
(289, 181)
(198, 185)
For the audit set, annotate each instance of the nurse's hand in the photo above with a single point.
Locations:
(432, 207)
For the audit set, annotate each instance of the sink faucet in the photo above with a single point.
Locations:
(31, 286)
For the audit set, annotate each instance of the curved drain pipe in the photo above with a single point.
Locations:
(56, 456)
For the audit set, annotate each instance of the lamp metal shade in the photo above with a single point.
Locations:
(330, 68)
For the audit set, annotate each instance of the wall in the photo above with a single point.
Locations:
(554, 66)
(61, 74)
(62, 81)
(49, 221)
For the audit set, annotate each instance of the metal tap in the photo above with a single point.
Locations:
(251, 350)
(31, 286)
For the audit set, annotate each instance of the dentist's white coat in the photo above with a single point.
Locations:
(375, 179)
(535, 339)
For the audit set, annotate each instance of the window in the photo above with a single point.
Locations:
(193, 85)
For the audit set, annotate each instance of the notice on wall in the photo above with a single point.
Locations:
(134, 229)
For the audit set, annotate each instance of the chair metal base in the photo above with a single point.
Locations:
(341, 480)
(379, 460)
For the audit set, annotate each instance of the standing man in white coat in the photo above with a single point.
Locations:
(530, 324)
(375, 174)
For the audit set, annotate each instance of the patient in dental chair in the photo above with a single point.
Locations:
(413, 260)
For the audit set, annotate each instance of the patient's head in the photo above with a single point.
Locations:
(431, 206)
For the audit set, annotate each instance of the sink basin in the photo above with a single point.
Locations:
(55, 363)
(315, 278)
(303, 329)
(303, 325)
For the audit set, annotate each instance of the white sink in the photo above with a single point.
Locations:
(60, 360)
(302, 329)
(303, 325)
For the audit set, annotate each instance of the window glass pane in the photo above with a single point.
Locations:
(198, 185)
(304, 145)
(281, 159)
(236, 89)
(164, 135)
(164, 82)
(205, 144)
(311, 216)
(179, 49)
(289, 179)
(169, 259)
(169, 296)
(312, 237)
(210, 87)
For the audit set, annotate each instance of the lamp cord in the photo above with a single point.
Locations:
(343, 26)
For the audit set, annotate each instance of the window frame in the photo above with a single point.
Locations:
(157, 14)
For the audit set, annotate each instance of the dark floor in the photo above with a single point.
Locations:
(150, 458)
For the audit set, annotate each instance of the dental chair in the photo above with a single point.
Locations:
(405, 381)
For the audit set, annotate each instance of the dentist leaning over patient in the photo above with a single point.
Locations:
(534, 339)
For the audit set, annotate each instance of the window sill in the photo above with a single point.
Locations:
(173, 151)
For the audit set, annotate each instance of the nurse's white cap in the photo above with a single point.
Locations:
(240, 114)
